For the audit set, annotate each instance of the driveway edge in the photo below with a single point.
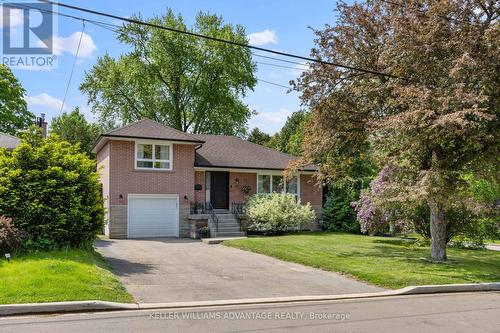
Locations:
(90, 306)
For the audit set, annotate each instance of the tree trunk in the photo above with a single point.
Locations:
(438, 233)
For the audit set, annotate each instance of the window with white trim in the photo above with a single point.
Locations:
(276, 184)
(153, 156)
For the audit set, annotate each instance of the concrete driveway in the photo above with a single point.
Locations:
(172, 270)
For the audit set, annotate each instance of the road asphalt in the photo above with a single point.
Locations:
(458, 312)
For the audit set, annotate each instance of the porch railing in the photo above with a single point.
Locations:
(207, 208)
(214, 217)
(239, 211)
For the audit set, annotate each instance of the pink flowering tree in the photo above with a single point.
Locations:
(375, 213)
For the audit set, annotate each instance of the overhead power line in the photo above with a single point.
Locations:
(279, 59)
(193, 34)
(114, 28)
(72, 68)
(275, 84)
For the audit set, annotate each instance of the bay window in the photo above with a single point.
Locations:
(153, 156)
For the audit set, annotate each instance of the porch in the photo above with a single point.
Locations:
(206, 221)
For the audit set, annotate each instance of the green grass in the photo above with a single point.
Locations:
(387, 262)
(63, 275)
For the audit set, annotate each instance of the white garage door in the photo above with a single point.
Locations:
(153, 216)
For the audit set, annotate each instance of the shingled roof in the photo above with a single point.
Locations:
(9, 141)
(149, 129)
(215, 151)
(232, 152)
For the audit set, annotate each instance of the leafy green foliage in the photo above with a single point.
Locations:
(75, 129)
(259, 137)
(277, 213)
(51, 190)
(290, 137)
(14, 115)
(436, 123)
(338, 213)
(10, 236)
(464, 227)
(187, 83)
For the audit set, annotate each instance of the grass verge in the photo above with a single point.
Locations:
(386, 262)
(62, 275)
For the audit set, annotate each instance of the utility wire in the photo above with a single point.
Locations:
(257, 48)
(72, 68)
(283, 60)
(275, 84)
(280, 66)
(114, 28)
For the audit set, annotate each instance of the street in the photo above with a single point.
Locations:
(460, 312)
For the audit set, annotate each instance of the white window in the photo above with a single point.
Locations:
(276, 184)
(153, 156)
(292, 186)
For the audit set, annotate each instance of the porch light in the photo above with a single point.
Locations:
(236, 181)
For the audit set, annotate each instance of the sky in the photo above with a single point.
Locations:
(277, 24)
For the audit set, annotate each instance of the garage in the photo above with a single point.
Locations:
(153, 215)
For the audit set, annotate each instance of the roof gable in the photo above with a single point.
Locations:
(9, 141)
(149, 129)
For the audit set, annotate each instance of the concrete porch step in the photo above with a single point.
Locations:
(228, 228)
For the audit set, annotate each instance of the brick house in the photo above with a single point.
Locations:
(154, 177)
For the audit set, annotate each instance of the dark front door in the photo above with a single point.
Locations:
(219, 189)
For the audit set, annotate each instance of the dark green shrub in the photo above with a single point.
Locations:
(338, 213)
(52, 192)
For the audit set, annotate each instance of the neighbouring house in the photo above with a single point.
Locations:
(8, 141)
(160, 182)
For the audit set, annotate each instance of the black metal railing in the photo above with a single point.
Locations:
(238, 210)
(214, 217)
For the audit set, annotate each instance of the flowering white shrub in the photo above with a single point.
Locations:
(277, 212)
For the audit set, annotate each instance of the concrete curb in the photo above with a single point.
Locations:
(90, 306)
(59, 307)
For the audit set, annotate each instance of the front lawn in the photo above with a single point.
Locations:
(386, 262)
(63, 275)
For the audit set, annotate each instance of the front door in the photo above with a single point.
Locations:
(219, 189)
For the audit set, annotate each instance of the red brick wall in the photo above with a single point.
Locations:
(310, 191)
(199, 178)
(235, 194)
(103, 169)
(124, 179)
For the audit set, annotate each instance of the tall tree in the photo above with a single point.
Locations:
(290, 137)
(185, 82)
(14, 114)
(258, 137)
(439, 120)
(74, 128)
